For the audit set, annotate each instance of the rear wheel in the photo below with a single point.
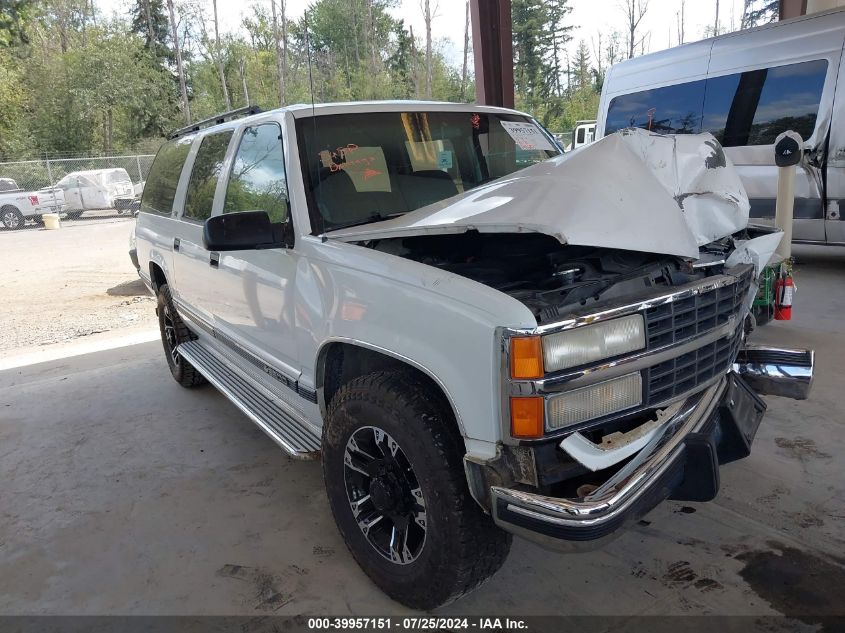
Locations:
(392, 460)
(11, 218)
(74, 215)
(174, 332)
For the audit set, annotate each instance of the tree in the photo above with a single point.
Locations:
(558, 37)
(635, 11)
(149, 19)
(757, 12)
(681, 18)
(279, 46)
(14, 15)
(186, 107)
(582, 72)
(221, 68)
(716, 20)
(428, 15)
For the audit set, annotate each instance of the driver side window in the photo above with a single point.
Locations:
(257, 181)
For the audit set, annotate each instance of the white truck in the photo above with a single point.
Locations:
(96, 189)
(475, 347)
(17, 206)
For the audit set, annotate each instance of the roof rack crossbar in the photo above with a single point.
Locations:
(215, 120)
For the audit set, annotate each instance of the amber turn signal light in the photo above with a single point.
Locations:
(527, 417)
(526, 358)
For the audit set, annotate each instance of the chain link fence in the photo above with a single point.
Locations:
(77, 189)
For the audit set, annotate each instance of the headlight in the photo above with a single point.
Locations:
(595, 401)
(589, 343)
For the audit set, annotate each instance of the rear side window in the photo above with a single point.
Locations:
(749, 108)
(753, 107)
(668, 110)
(160, 188)
(257, 181)
(207, 166)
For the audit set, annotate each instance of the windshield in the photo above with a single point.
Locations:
(365, 167)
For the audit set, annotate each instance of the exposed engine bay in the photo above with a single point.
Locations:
(550, 278)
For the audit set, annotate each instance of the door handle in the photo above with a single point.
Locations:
(214, 260)
(176, 242)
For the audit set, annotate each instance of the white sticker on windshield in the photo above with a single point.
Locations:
(527, 135)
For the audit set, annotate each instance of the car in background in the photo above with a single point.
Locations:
(95, 189)
(583, 134)
(130, 203)
(17, 206)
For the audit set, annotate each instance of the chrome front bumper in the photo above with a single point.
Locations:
(777, 372)
(682, 461)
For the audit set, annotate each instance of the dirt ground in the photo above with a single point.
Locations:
(58, 286)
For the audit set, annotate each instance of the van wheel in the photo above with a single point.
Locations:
(74, 215)
(393, 466)
(173, 333)
(11, 218)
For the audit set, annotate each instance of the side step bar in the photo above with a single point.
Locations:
(777, 372)
(270, 413)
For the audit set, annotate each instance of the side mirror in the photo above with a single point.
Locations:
(241, 231)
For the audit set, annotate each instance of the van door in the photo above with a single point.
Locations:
(194, 276)
(765, 82)
(254, 303)
(835, 194)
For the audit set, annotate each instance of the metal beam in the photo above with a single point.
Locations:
(493, 51)
(792, 8)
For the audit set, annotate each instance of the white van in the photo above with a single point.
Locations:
(95, 189)
(583, 134)
(746, 88)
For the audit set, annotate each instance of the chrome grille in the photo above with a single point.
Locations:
(683, 373)
(685, 318)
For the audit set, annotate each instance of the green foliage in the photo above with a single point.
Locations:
(14, 15)
(74, 81)
(149, 20)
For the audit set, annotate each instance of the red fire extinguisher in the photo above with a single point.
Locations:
(784, 290)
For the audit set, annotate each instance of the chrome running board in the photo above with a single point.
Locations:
(278, 419)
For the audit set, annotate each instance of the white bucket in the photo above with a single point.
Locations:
(51, 220)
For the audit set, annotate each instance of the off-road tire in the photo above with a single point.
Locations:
(17, 221)
(183, 372)
(462, 547)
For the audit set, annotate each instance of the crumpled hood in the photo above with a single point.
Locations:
(633, 190)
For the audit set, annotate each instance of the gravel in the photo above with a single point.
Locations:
(58, 286)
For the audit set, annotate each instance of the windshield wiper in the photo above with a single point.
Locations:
(375, 217)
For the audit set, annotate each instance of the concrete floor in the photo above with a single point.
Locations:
(123, 493)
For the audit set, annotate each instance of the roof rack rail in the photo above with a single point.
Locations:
(215, 120)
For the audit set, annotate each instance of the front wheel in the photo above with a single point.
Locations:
(174, 332)
(392, 460)
(11, 218)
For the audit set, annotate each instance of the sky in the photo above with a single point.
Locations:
(588, 16)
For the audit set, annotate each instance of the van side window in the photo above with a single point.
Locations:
(207, 165)
(753, 107)
(160, 188)
(668, 110)
(257, 181)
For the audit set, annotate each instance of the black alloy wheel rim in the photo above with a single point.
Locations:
(170, 335)
(385, 495)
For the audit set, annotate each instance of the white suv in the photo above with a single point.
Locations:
(478, 335)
